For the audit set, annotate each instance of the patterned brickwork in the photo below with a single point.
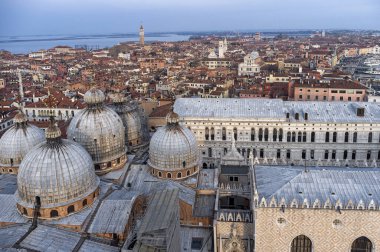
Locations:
(318, 225)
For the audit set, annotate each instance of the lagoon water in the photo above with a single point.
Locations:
(27, 44)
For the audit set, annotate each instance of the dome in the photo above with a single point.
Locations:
(16, 142)
(173, 150)
(101, 132)
(94, 96)
(254, 55)
(135, 133)
(60, 173)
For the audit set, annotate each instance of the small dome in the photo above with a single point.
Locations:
(135, 131)
(101, 132)
(174, 149)
(59, 172)
(94, 96)
(17, 141)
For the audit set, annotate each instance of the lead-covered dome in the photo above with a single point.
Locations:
(135, 130)
(100, 131)
(173, 150)
(59, 174)
(17, 141)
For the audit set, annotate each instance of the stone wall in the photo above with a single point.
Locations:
(318, 225)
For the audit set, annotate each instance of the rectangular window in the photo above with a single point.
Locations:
(326, 154)
(341, 98)
(288, 154)
(334, 91)
(333, 154)
(324, 98)
(353, 155)
(300, 96)
(311, 154)
(261, 153)
(303, 154)
(278, 153)
(333, 98)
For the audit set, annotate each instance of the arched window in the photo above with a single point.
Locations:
(280, 135)
(260, 134)
(188, 173)
(334, 137)
(24, 211)
(84, 202)
(327, 137)
(159, 174)
(304, 137)
(370, 137)
(266, 135)
(169, 175)
(109, 164)
(224, 133)
(252, 134)
(355, 137)
(235, 134)
(293, 136)
(288, 136)
(70, 209)
(179, 175)
(301, 243)
(362, 244)
(207, 133)
(312, 137)
(299, 139)
(212, 134)
(53, 213)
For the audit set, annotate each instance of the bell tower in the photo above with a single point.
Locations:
(141, 34)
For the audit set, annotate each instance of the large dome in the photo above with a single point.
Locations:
(101, 132)
(135, 133)
(173, 151)
(59, 174)
(16, 142)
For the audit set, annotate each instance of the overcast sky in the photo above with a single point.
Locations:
(41, 17)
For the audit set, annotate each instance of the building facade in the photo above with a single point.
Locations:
(279, 132)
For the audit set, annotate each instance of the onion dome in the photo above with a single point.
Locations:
(173, 150)
(135, 129)
(58, 175)
(17, 141)
(101, 132)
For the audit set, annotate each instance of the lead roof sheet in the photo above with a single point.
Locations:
(276, 110)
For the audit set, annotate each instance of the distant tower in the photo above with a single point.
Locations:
(323, 33)
(141, 34)
(221, 49)
(257, 36)
(225, 44)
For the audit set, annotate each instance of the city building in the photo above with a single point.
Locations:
(249, 66)
(332, 90)
(285, 132)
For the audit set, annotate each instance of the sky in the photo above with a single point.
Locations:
(56, 17)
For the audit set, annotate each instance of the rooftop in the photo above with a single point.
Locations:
(333, 184)
(276, 110)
